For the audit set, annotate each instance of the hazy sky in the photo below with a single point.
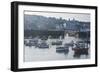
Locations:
(66, 15)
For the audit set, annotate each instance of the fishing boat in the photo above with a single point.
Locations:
(57, 43)
(81, 48)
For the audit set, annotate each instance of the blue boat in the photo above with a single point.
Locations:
(62, 50)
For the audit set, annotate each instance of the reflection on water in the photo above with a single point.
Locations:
(33, 53)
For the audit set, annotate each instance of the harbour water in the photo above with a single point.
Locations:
(50, 54)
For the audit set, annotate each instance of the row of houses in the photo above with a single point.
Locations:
(73, 27)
